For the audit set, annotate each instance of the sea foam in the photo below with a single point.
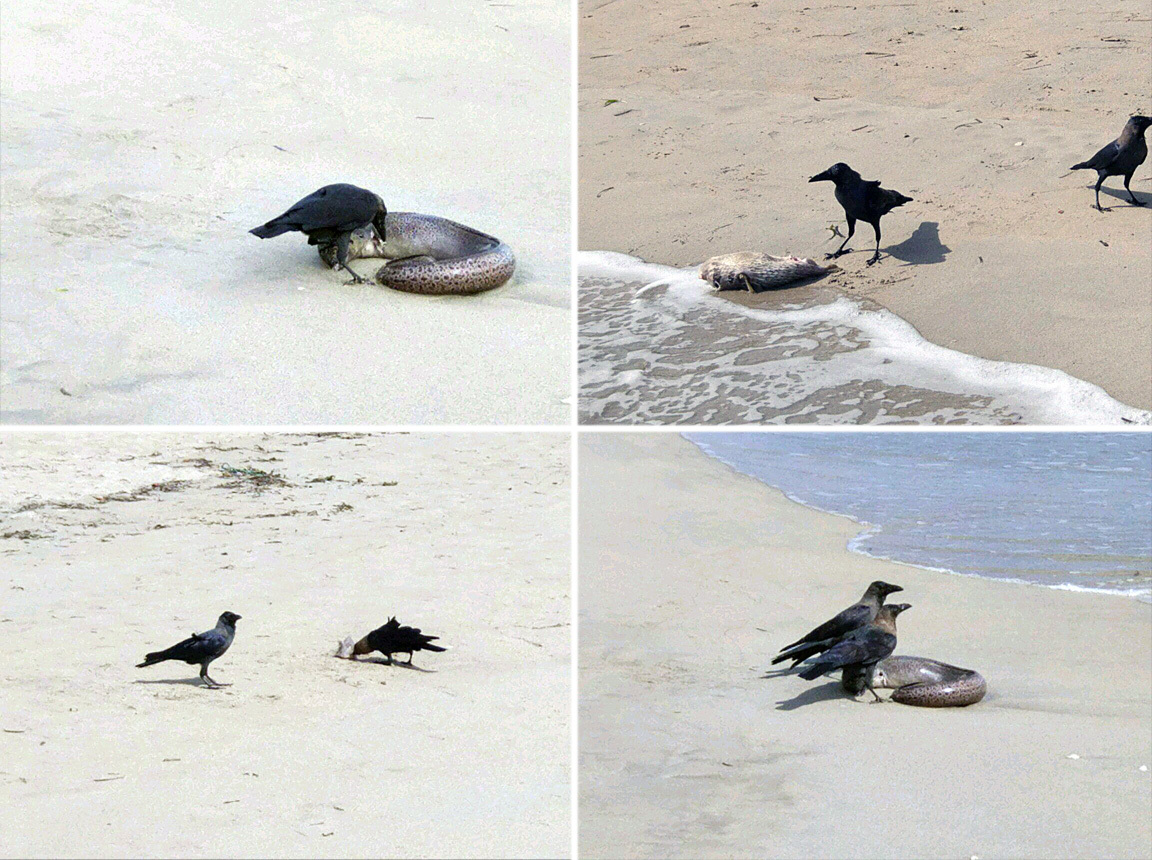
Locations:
(658, 345)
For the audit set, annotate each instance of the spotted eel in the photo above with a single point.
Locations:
(431, 255)
(921, 681)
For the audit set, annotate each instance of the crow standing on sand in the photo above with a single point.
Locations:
(862, 200)
(200, 648)
(830, 632)
(861, 649)
(392, 638)
(329, 216)
(1120, 158)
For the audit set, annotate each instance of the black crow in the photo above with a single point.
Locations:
(200, 648)
(395, 639)
(329, 216)
(861, 649)
(830, 632)
(1120, 158)
(862, 200)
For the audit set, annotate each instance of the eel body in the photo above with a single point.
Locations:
(922, 682)
(431, 255)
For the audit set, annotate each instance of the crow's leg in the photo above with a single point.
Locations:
(389, 656)
(1100, 182)
(342, 258)
(1135, 202)
(211, 684)
(876, 256)
(842, 249)
(409, 658)
(868, 684)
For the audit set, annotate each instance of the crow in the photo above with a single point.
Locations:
(394, 639)
(329, 216)
(1120, 158)
(862, 200)
(861, 649)
(830, 632)
(200, 648)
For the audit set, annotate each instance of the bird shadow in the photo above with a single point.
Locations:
(923, 246)
(380, 661)
(187, 682)
(811, 696)
(1121, 196)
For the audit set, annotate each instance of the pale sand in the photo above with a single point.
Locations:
(142, 140)
(976, 113)
(692, 577)
(305, 755)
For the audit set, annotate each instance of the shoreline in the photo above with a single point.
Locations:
(811, 354)
(867, 528)
(719, 760)
(700, 127)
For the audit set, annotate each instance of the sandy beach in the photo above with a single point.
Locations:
(692, 577)
(142, 141)
(700, 126)
(119, 544)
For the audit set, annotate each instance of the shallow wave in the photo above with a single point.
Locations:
(659, 346)
(1096, 518)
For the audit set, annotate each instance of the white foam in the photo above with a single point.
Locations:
(870, 346)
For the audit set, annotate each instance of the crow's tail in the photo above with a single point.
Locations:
(272, 228)
(1083, 165)
(155, 657)
(815, 671)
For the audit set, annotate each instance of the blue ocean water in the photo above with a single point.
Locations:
(1065, 510)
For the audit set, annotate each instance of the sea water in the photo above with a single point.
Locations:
(659, 346)
(1065, 510)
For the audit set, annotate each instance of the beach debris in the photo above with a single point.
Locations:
(108, 778)
(1072, 756)
(257, 479)
(1144, 768)
(757, 272)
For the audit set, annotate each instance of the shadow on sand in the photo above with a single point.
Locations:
(922, 247)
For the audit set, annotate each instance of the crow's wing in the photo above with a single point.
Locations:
(840, 625)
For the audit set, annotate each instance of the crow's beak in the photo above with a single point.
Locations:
(819, 177)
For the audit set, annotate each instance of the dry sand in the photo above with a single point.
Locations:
(305, 755)
(724, 110)
(142, 140)
(692, 577)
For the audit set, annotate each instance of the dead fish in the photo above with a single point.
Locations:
(758, 272)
